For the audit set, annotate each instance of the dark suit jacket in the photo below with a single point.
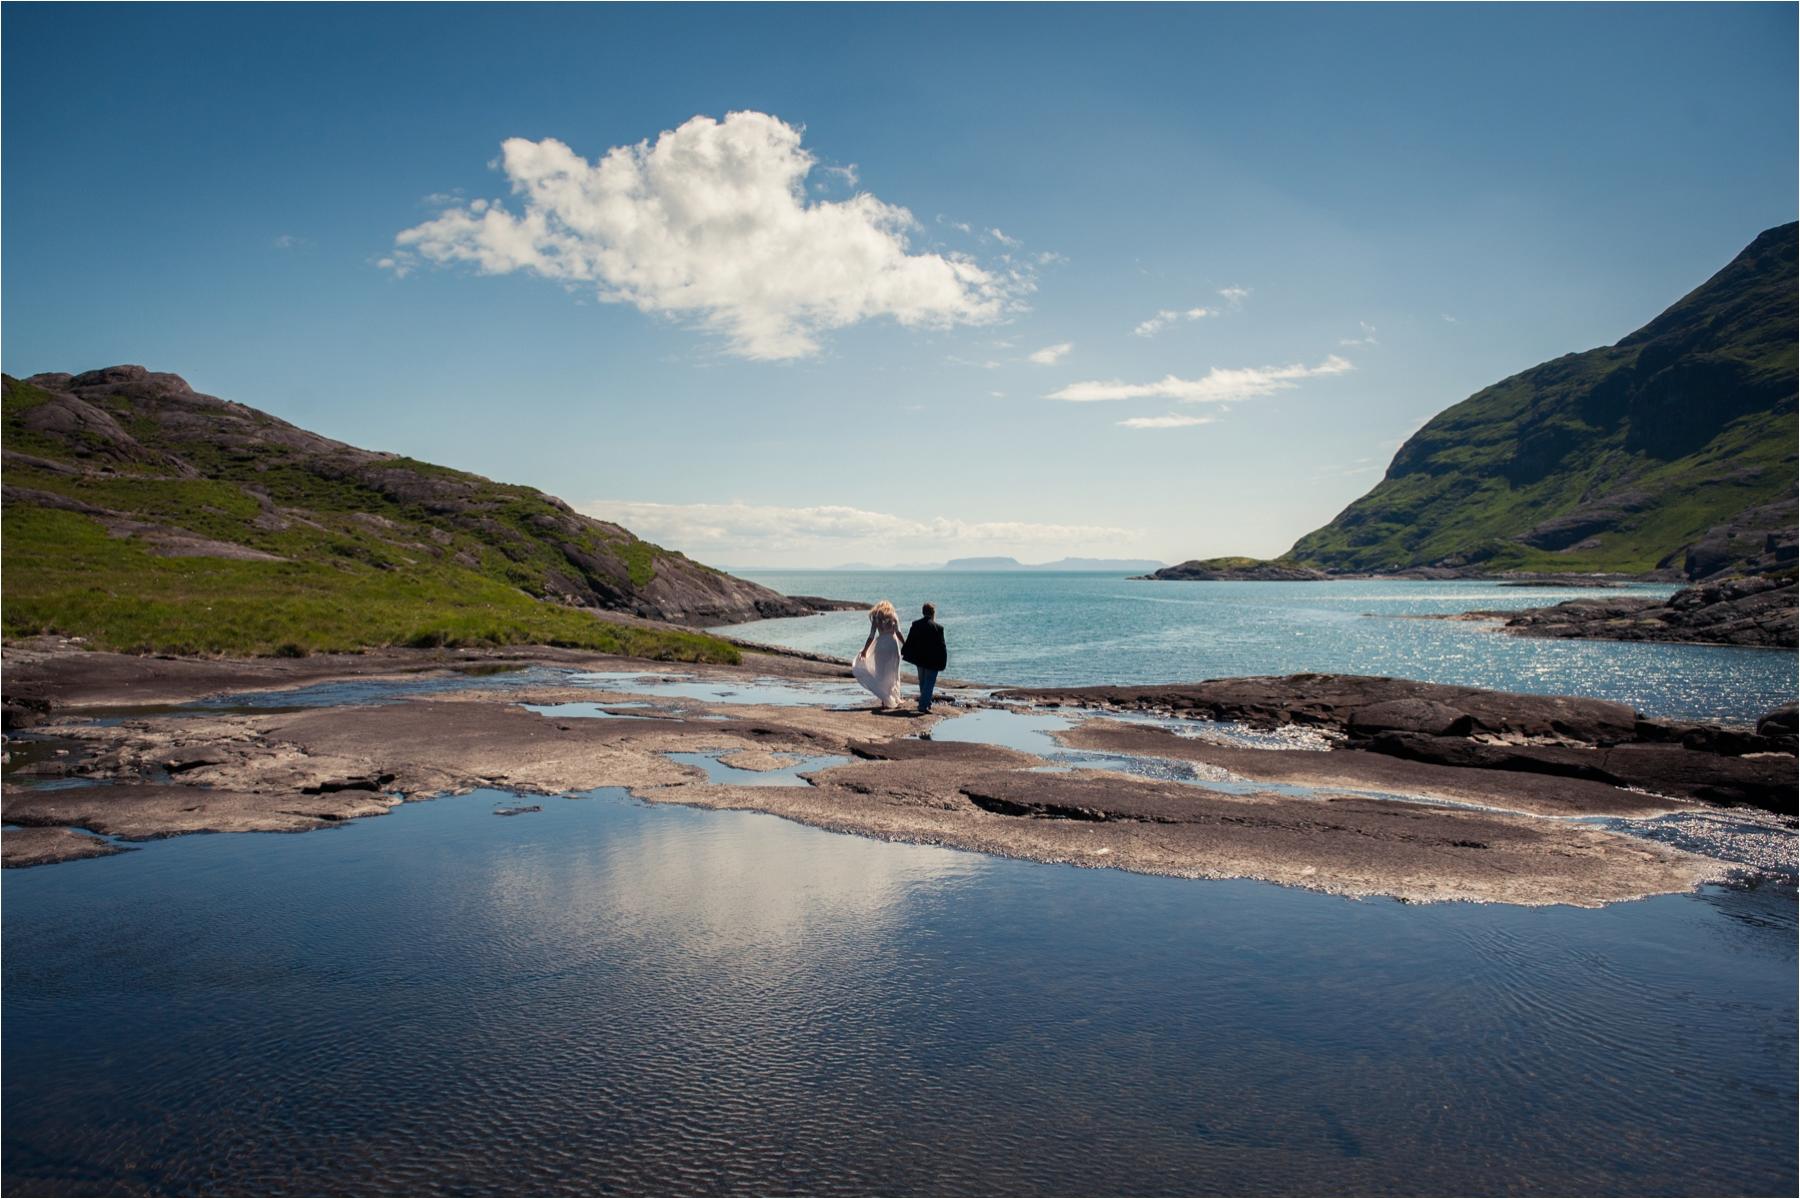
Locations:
(925, 645)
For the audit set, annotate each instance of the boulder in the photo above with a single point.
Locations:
(1781, 722)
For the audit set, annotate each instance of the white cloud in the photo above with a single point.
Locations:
(1367, 338)
(1002, 238)
(1168, 316)
(1448, 317)
(1217, 386)
(711, 221)
(832, 533)
(1235, 296)
(289, 241)
(1171, 421)
(1157, 323)
(1349, 470)
(1051, 355)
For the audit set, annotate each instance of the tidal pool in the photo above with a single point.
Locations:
(607, 996)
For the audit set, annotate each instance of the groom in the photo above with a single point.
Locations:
(924, 648)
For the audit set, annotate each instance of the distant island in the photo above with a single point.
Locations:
(1095, 565)
(1669, 455)
(1106, 565)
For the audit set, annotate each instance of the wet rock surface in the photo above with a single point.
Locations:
(1346, 702)
(1764, 780)
(1287, 815)
(146, 811)
(1490, 735)
(42, 846)
(1362, 770)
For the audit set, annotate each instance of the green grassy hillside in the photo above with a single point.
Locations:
(145, 517)
(1674, 448)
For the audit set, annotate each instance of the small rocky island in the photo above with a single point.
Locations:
(1255, 570)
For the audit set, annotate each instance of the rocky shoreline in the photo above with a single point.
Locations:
(1249, 570)
(1758, 612)
(1407, 791)
(1501, 735)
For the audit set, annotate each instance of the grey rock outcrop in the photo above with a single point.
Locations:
(1745, 611)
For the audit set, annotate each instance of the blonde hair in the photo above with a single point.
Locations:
(883, 614)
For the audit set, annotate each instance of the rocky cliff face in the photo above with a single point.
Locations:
(1672, 450)
(189, 475)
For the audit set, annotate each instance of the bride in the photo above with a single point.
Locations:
(878, 668)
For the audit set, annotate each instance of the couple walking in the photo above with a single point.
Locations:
(877, 666)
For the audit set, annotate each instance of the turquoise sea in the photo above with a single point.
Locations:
(1032, 629)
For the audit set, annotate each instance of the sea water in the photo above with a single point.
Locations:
(1033, 629)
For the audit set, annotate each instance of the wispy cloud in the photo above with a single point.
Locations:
(1235, 296)
(1349, 470)
(710, 221)
(1168, 316)
(1051, 355)
(738, 529)
(289, 241)
(1218, 386)
(1173, 420)
(1367, 338)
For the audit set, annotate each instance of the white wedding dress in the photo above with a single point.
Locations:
(878, 668)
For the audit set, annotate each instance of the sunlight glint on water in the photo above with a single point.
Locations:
(1066, 629)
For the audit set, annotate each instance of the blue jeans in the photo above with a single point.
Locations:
(927, 684)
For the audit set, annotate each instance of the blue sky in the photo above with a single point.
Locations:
(734, 340)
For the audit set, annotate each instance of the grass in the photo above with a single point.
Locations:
(64, 574)
(373, 556)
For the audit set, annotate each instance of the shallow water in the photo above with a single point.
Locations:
(607, 996)
(734, 776)
(775, 692)
(1069, 629)
(377, 690)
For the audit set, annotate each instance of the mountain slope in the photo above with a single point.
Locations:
(143, 515)
(1674, 449)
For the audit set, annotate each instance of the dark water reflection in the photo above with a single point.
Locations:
(606, 996)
